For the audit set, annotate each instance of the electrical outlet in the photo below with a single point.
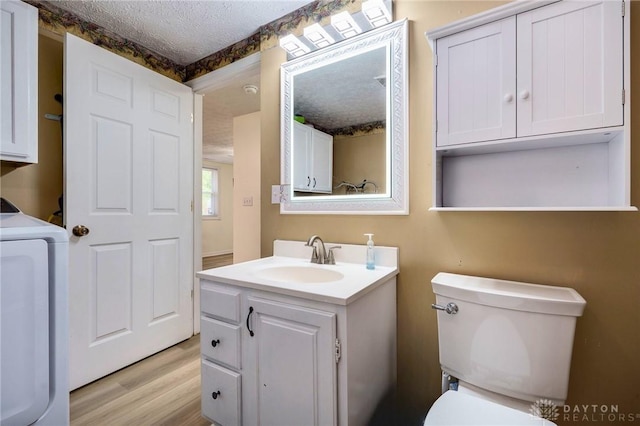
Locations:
(247, 201)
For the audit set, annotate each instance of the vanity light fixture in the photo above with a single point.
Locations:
(294, 46)
(344, 24)
(318, 36)
(376, 13)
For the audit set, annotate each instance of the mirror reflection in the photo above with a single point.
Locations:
(344, 126)
(344, 108)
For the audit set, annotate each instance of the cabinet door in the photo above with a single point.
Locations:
(293, 368)
(19, 50)
(475, 86)
(302, 136)
(570, 67)
(322, 162)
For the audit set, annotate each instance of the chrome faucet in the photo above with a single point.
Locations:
(320, 254)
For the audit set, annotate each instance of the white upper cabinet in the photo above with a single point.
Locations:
(570, 67)
(476, 76)
(553, 69)
(532, 108)
(19, 52)
(313, 159)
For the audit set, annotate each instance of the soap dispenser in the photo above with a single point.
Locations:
(371, 256)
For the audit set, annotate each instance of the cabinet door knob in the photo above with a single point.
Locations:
(215, 394)
(215, 343)
(508, 97)
(524, 94)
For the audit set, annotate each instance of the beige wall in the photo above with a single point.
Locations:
(217, 234)
(246, 176)
(360, 157)
(35, 188)
(597, 253)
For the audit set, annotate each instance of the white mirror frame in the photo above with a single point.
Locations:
(394, 38)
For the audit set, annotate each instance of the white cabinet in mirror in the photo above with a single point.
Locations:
(355, 94)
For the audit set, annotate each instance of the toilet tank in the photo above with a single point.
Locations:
(508, 337)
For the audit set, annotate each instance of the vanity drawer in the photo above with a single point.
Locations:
(220, 394)
(220, 302)
(220, 341)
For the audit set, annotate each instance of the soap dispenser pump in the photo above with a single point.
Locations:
(371, 256)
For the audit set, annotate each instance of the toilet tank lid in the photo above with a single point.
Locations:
(509, 294)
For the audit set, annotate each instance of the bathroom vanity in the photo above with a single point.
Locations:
(285, 341)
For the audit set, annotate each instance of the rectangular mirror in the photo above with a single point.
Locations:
(344, 147)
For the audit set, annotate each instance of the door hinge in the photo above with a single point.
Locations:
(436, 126)
(191, 294)
(435, 60)
(191, 118)
(623, 96)
(192, 206)
(623, 8)
(338, 351)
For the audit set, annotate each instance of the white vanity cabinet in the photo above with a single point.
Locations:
(532, 107)
(313, 159)
(19, 58)
(296, 353)
(295, 361)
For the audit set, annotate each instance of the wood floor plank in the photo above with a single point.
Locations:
(217, 261)
(161, 389)
(124, 409)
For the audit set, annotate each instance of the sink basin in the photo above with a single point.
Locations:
(299, 274)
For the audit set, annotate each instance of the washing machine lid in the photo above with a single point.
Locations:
(456, 408)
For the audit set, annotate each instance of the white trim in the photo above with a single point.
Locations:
(536, 209)
(491, 15)
(221, 77)
(217, 253)
(197, 207)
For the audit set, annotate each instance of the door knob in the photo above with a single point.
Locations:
(80, 230)
(524, 94)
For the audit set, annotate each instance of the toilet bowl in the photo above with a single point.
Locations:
(460, 409)
(490, 333)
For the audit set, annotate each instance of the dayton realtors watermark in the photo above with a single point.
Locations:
(582, 413)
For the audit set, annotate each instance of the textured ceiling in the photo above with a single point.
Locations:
(219, 108)
(186, 30)
(346, 93)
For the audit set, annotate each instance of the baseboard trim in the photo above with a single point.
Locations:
(217, 253)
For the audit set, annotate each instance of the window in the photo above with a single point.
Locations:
(210, 192)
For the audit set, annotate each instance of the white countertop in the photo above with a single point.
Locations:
(357, 279)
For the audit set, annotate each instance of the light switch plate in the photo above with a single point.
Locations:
(247, 201)
(276, 194)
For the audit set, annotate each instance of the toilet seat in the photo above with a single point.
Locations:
(457, 408)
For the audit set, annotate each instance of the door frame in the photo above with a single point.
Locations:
(201, 86)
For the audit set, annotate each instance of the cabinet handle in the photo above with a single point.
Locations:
(524, 94)
(215, 343)
(314, 182)
(508, 97)
(215, 394)
(249, 316)
(308, 181)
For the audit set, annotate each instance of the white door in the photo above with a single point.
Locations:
(129, 181)
(476, 81)
(292, 367)
(570, 67)
(322, 157)
(301, 154)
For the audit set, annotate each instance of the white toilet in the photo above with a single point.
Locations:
(509, 346)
